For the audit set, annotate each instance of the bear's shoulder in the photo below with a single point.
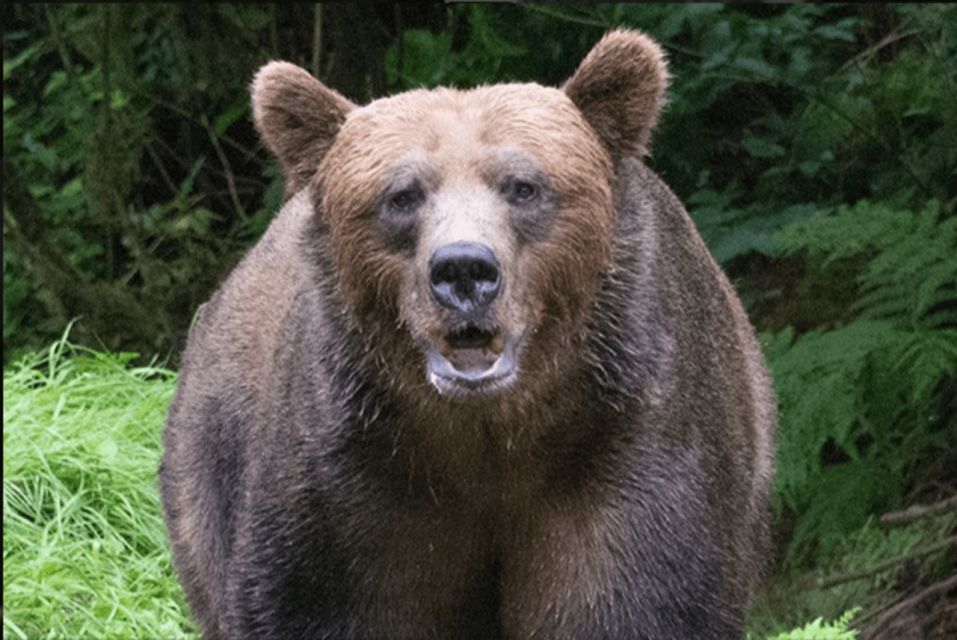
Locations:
(259, 293)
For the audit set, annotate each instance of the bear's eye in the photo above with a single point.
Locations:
(405, 200)
(521, 191)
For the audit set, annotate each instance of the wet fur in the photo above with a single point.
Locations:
(315, 486)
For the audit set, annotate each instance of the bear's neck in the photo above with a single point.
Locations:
(402, 430)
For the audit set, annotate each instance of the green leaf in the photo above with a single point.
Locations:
(757, 67)
(762, 147)
(224, 120)
(12, 64)
(186, 186)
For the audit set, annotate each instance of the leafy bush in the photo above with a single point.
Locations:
(860, 403)
(104, 217)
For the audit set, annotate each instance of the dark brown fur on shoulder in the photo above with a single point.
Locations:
(480, 378)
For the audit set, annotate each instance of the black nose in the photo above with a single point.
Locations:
(464, 276)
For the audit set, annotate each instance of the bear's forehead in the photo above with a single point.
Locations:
(486, 108)
(461, 128)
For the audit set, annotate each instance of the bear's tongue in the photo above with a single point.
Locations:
(472, 350)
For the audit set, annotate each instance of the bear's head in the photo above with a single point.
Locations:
(469, 229)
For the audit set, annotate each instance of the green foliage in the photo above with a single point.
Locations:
(866, 391)
(84, 547)
(820, 630)
(797, 596)
(910, 276)
(121, 203)
(796, 114)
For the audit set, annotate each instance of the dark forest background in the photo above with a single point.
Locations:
(814, 145)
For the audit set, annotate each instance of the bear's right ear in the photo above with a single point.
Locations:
(298, 117)
(620, 89)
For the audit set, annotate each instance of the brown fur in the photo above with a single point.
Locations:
(380, 285)
(620, 88)
(298, 117)
(316, 485)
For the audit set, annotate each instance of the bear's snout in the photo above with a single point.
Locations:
(464, 276)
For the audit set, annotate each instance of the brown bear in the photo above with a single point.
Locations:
(479, 379)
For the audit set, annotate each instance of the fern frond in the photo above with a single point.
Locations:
(866, 389)
(911, 268)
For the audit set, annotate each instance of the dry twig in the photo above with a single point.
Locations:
(895, 611)
(918, 511)
(227, 169)
(841, 578)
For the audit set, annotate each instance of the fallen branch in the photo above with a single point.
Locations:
(841, 578)
(916, 512)
(894, 611)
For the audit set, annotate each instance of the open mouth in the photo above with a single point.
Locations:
(472, 337)
(472, 359)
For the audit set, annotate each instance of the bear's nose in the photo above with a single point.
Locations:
(464, 276)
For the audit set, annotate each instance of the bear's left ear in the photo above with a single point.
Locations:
(620, 89)
(298, 118)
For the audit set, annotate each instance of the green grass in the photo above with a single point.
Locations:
(85, 553)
